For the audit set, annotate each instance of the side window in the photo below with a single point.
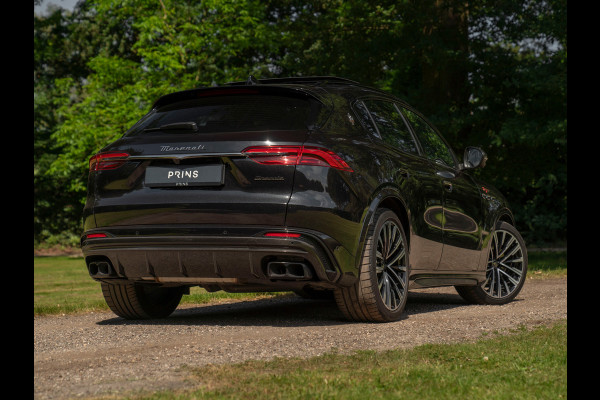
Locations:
(435, 149)
(363, 114)
(392, 128)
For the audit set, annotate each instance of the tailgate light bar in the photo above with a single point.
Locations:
(296, 155)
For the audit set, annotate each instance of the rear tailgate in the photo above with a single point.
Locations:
(197, 176)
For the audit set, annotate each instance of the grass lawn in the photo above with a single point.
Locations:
(547, 264)
(62, 284)
(527, 364)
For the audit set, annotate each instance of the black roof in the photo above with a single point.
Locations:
(291, 80)
(316, 86)
(332, 84)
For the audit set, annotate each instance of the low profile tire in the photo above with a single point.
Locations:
(505, 272)
(380, 293)
(132, 301)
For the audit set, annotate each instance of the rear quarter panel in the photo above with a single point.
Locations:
(331, 201)
(337, 203)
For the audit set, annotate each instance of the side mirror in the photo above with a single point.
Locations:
(474, 157)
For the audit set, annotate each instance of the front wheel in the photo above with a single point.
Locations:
(380, 292)
(135, 301)
(505, 272)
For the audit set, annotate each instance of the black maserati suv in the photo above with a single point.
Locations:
(317, 185)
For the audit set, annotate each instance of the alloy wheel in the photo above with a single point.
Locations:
(505, 265)
(390, 268)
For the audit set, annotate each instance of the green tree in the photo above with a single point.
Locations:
(64, 44)
(175, 46)
(519, 108)
(55, 209)
(489, 73)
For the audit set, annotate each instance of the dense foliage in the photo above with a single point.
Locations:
(489, 73)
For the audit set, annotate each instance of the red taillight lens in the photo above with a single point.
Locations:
(273, 155)
(95, 235)
(296, 155)
(103, 161)
(320, 156)
(282, 234)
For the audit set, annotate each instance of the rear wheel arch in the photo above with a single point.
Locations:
(380, 292)
(398, 207)
(391, 198)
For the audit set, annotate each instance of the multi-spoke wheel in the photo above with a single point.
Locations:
(506, 269)
(390, 266)
(380, 293)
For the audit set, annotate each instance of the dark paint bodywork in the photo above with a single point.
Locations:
(214, 236)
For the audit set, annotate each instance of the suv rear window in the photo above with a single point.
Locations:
(230, 113)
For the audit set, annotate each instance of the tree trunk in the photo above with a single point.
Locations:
(445, 58)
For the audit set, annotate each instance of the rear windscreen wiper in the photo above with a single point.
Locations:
(175, 126)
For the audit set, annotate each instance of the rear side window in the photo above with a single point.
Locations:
(364, 116)
(433, 146)
(232, 113)
(391, 125)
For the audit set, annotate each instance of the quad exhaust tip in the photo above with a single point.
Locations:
(100, 268)
(289, 270)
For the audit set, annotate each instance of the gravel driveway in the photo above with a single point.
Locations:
(91, 354)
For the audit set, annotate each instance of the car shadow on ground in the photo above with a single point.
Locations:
(284, 311)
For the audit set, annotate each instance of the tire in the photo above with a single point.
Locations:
(133, 301)
(313, 294)
(505, 272)
(380, 293)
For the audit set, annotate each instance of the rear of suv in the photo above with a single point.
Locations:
(315, 185)
(197, 193)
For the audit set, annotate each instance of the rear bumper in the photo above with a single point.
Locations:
(232, 263)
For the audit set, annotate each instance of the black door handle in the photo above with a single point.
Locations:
(402, 173)
(448, 186)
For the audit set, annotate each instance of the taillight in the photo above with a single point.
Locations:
(320, 156)
(273, 155)
(103, 161)
(296, 155)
